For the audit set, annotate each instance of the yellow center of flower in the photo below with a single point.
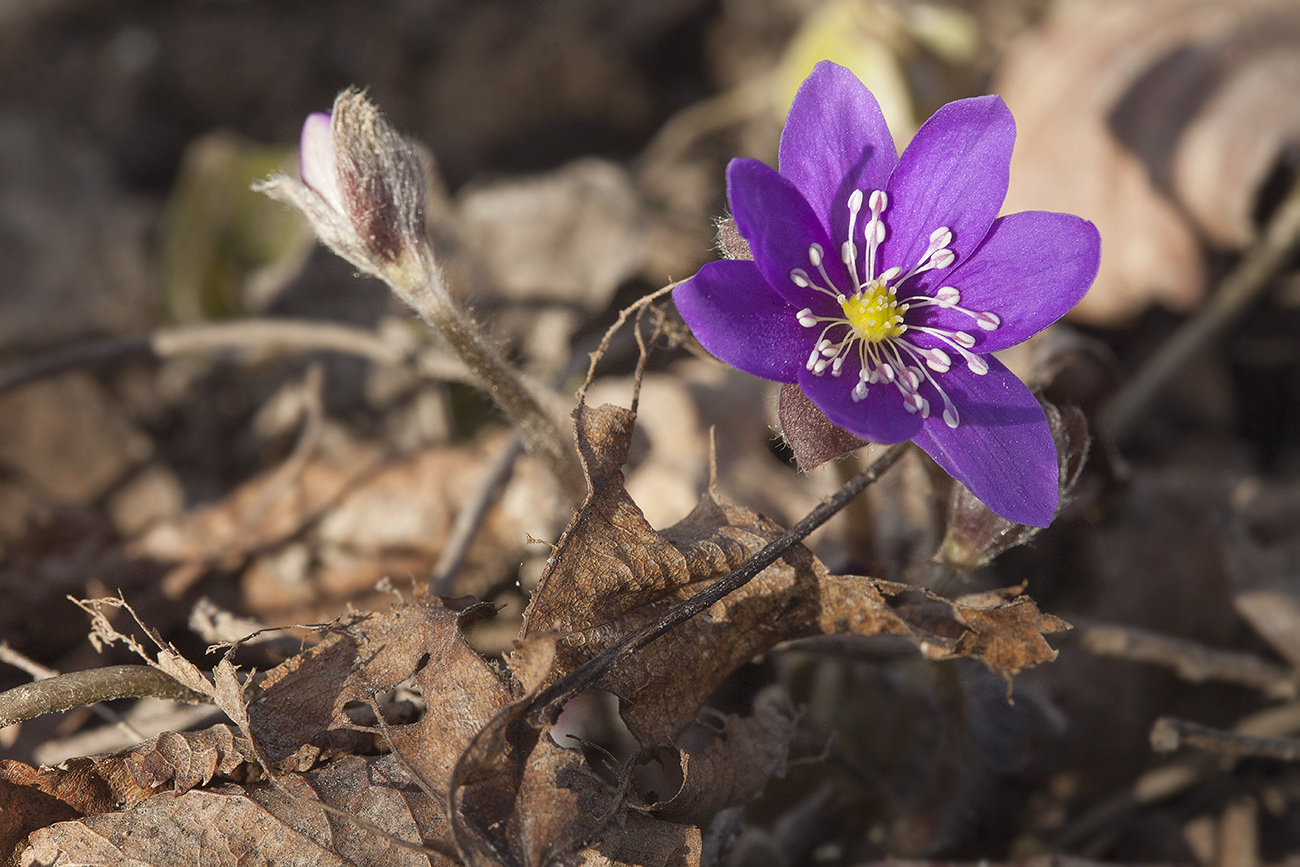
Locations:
(873, 312)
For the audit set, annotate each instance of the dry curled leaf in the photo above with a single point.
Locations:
(734, 768)
(612, 573)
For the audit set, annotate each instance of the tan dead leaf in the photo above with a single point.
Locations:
(562, 805)
(1004, 631)
(639, 840)
(175, 762)
(999, 628)
(265, 511)
(381, 809)
(1161, 121)
(26, 805)
(374, 806)
(303, 699)
(734, 768)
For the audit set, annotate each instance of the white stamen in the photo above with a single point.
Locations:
(987, 321)
(942, 258)
(799, 277)
(878, 202)
(937, 360)
(977, 365)
(891, 273)
(940, 238)
(859, 392)
(815, 255)
(947, 296)
(950, 416)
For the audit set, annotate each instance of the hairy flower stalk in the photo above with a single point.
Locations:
(880, 285)
(363, 189)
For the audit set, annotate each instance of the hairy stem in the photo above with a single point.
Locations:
(427, 294)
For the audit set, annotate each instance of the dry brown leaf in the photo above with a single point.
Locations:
(261, 825)
(376, 797)
(644, 841)
(26, 804)
(304, 698)
(612, 573)
(734, 768)
(267, 510)
(1160, 121)
(171, 761)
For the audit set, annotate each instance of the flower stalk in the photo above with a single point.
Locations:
(364, 189)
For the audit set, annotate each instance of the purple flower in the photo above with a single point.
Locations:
(880, 285)
(363, 190)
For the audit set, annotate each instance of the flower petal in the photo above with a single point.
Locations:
(954, 174)
(737, 316)
(316, 159)
(879, 418)
(1032, 268)
(780, 227)
(1002, 450)
(835, 141)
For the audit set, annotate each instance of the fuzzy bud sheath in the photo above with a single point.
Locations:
(363, 190)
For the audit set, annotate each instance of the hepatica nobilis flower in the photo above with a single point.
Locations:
(880, 284)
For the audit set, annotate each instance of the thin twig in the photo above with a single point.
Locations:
(1254, 273)
(1169, 733)
(470, 517)
(79, 688)
(258, 335)
(1190, 660)
(547, 705)
(1168, 781)
(623, 316)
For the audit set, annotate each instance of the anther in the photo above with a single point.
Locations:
(937, 360)
(948, 296)
(815, 255)
(987, 321)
